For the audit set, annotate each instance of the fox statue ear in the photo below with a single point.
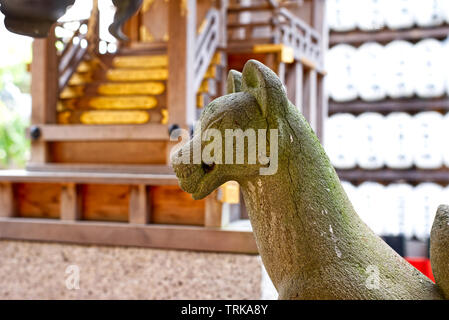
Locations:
(234, 83)
(264, 85)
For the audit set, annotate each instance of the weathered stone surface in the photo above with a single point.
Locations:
(439, 249)
(312, 242)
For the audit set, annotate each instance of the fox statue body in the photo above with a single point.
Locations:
(312, 242)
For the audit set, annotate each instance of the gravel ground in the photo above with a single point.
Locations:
(36, 270)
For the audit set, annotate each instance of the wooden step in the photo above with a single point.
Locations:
(125, 88)
(113, 102)
(203, 99)
(213, 72)
(86, 66)
(81, 78)
(253, 8)
(145, 61)
(250, 25)
(109, 117)
(219, 59)
(146, 74)
(208, 86)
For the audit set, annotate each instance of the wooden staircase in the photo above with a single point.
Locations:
(127, 89)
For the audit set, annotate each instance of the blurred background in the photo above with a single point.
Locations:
(388, 85)
(388, 128)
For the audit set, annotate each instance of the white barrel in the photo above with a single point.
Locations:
(371, 205)
(339, 140)
(445, 196)
(398, 14)
(427, 13)
(429, 72)
(351, 191)
(340, 80)
(428, 197)
(399, 201)
(369, 15)
(445, 49)
(399, 65)
(444, 139)
(370, 141)
(444, 7)
(427, 135)
(398, 147)
(340, 14)
(370, 71)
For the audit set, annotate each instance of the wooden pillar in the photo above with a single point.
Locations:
(281, 72)
(139, 206)
(319, 23)
(310, 97)
(213, 212)
(294, 84)
(223, 33)
(181, 57)
(322, 107)
(70, 202)
(44, 90)
(7, 207)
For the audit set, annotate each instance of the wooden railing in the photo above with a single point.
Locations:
(76, 48)
(206, 45)
(305, 41)
(280, 27)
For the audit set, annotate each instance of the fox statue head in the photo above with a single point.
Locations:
(238, 134)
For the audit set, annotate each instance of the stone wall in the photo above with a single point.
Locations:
(36, 270)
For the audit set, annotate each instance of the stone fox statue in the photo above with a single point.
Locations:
(312, 242)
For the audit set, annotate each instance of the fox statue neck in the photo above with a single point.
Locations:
(306, 228)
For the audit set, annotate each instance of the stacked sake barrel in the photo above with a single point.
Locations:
(400, 69)
(368, 15)
(396, 141)
(396, 71)
(397, 208)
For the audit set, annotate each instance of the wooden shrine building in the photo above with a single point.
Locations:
(99, 170)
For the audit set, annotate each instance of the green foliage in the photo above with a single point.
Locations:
(18, 75)
(14, 147)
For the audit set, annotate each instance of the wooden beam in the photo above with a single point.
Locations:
(124, 234)
(54, 132)
(181, 96)
(88, 177)
(392, 175)
(414, 104)
(387, 35)
(139, 206)
(103, 168)
(7, 206)
(44, 90)
(70, 202)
